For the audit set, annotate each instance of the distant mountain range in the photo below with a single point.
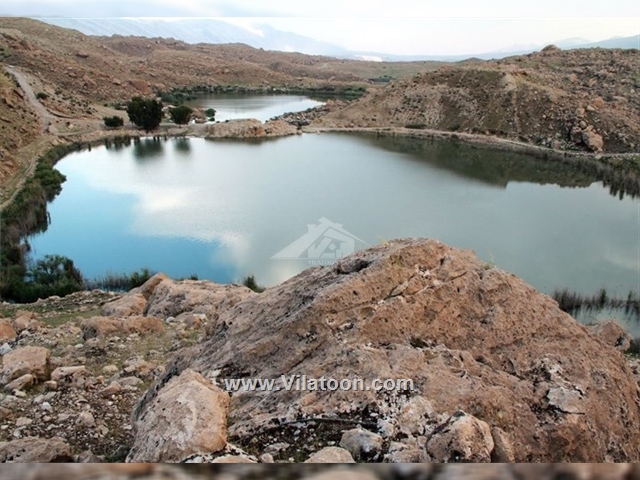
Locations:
(264, 36)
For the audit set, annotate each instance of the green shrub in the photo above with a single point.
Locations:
(113, 122)
(211, 114)
(250, 282)
(180, 115)
(42, 96)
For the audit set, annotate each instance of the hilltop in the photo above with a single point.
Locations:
(585, 100)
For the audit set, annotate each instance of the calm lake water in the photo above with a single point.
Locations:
(223, 209)
(230, 106)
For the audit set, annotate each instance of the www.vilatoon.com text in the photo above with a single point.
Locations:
(322, 384)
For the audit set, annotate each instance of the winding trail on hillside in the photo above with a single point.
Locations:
(28, 156)
(46, 117)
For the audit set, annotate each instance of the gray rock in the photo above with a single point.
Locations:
(331, 455)
(362, 444)
(463, 438)
(20, 383)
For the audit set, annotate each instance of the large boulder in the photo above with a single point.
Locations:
(126, 306)
(612, 334)
(463, 438)
(171, 298)
(471, 339)
(148, 287)
(7, 332)
(35, 450)
(26, 360)
(188, 416)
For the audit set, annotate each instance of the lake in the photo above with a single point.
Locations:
(222, 209)
(231, 106)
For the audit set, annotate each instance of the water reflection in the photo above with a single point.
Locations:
(226, 212)
(148, 148)
(493, 167)
(182, 145)
(498, 168)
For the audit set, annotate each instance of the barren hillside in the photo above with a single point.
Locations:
(18, 124)
(580, 99)
(114, 68)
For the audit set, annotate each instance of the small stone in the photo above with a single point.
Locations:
(88, 457)
(21, 383)
(331, 455)
(23, 422)
(113, 389)
(266, 458)
(110, 370)
(63, 373)
(130, 382)
(46, 406)
(86, 419)
(362, 444)
(5, 413)
(463, 438)
(51, 385)
(5, 348)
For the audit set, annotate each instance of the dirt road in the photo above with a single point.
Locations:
(45, 116)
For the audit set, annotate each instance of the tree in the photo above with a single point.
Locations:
(113, 122)
(55, 270)
(211, 114)
(180, 115)
(145, 113)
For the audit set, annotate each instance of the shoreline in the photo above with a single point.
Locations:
(629, 163)
(478, 140)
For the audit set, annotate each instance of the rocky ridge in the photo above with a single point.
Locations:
(500, 373)
(585, 100)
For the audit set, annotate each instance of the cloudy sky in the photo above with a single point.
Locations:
(401, 26)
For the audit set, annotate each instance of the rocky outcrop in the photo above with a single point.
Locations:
(26, 360)
(587, 104)
(462, 439)
(7, 332)
(187, 417)
(170, 298)
(249, 128)
(532, 382)
(35, 450)
(105, 326)
(131, 304)
(612, 334)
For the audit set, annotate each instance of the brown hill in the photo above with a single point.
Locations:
(19, 125)
(580, 99)
(78, 74)
(114, 68)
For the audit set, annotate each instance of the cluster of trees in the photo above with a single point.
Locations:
(147, 114)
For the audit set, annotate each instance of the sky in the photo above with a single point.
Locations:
(399, 27)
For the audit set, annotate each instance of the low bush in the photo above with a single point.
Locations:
(113, 122)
